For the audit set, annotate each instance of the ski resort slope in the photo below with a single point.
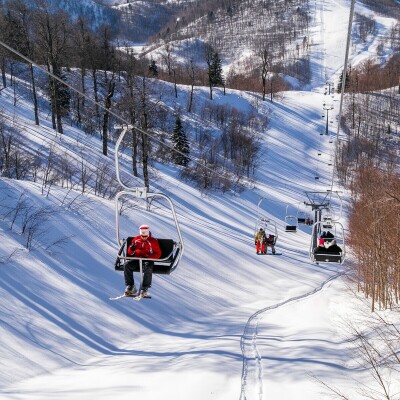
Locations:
(227, 324)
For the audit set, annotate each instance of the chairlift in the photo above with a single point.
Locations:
(290, 221)
(326, 222)
(171, 249)
(303, 218)
(268, 225)
(333, 248)
(270, 229)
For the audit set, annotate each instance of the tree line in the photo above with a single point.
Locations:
(275, 32)
(368, 164)
(119, 82)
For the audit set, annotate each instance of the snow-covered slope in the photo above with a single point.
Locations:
(227, 323)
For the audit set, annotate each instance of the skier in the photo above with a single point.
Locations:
(141, 246)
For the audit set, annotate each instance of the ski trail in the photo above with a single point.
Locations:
(248, 342)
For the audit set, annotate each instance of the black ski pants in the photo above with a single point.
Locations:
(132, 265)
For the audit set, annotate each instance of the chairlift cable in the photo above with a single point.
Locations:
(150, 135)
(12, 50)
(344, 73)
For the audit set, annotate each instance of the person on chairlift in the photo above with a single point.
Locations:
(141, 246)
(333, 247)
(325, 246)
(259, 241)
(328, 236)
(270, 241)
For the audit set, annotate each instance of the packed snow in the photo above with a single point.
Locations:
(228, 323)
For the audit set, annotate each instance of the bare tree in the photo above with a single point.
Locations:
(35, 224)
(265, 66)
(85, 173)
(20, 31)
(192, 82)
(53, 38)
(106, 113)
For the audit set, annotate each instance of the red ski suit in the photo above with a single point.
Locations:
(144, 248)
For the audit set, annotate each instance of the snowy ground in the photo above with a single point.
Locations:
(227, 324)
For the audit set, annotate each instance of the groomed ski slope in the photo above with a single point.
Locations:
(228, 324)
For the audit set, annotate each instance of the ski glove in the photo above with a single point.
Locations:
(141, 253)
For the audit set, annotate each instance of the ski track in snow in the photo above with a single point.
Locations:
(252, 359)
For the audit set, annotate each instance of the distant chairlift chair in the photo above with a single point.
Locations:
(335, 253)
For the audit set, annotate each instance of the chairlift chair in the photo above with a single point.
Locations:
(269, 226)
(328, 254)
(301, 217)
(270, 229)
(171, 249)
(291, 221)
(326, 222)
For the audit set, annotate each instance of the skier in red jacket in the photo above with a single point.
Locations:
(141, 246)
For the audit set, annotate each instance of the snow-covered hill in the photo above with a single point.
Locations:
(228, 323)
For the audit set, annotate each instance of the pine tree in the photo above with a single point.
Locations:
(216, 76)
(153, 68)
(181, 145)
(64, 96)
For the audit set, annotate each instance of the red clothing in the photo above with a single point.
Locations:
(144, 248)
(260, 246)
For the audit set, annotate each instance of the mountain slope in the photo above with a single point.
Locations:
(227, 323)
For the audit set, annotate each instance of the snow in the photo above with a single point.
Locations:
(227, 323)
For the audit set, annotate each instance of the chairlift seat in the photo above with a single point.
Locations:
(327, 226)
(291, 228)
(162, 266)
(328, 257)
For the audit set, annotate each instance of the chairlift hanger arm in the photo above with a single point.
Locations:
(141, 193)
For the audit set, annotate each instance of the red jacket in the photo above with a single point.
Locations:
(144, 248)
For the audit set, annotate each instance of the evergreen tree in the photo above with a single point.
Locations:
(181, 145)
(214, 68)
(64, 97)
(215, 71)
(153, 68)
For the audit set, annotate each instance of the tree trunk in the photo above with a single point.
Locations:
(35, 102)
(53, 102)
(145, 158)
(3, 72)
(176, 90)
(263, 88)
(96, 94)
(107, 105)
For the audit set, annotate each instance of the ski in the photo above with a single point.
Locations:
(141, 296)
(122, 296)
(133, 296)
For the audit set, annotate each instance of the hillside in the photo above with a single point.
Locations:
(227, 323)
